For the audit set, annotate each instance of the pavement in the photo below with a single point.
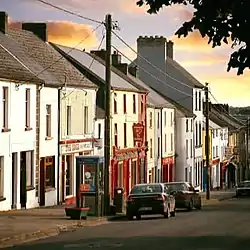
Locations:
(22, 226)
(224, 226)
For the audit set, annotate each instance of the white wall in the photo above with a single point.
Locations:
(77, 99)
(151, 136)
(49, 147)
(120, 118)
(184, 165)
(17, 140)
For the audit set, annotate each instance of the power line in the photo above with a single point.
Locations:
(69, 12)
(90, 65)
(159, 80)
(151, 64)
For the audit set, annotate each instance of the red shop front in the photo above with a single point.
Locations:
(126, 168)
(167, 164)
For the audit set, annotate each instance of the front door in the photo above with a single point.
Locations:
(42, 182)
(14, 181)
(23, 191)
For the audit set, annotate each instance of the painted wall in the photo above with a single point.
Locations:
(151, 142)
(185, 157)
(49, 147)
(77, 99)
(17, 140)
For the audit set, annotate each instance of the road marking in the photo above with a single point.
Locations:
(93, 245)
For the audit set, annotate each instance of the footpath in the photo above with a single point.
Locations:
(21, 226)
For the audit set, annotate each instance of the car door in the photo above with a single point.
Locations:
(193, 194)
(171, 199)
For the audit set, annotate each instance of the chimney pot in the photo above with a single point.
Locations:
(38, 29)
(170, 49)
(3, 22)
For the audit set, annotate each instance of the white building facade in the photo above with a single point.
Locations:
(77, 119)
(198, 99)
(184, 148)
(17, 146)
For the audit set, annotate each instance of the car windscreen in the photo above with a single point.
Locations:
(244, 184)
(176, 186)
(142, 189)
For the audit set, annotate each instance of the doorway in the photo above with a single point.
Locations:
(14, 181)
(23, 191)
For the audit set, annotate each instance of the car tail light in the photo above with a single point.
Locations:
(160, 198)
(130, 199)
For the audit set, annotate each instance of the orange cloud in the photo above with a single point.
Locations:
(68, 34)
(205, 60)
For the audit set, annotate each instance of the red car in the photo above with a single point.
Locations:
(186, 196)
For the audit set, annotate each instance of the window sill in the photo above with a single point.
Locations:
(50, 189)
(30, 188)
(28, 129)
(5, 130)
(48, 138)
(2, 199)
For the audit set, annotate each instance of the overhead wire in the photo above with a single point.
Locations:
(150, 63)
(69, 12)
(150, 74)
(90, 65)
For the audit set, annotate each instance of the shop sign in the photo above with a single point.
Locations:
(138, 132)
(76, 147)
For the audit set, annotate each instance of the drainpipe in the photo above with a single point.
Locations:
(58, 143)
(161, 131)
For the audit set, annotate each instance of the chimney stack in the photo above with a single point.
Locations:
(100, 53)
(170, 49)
(38, 29)
(133, 70)
(3, 22)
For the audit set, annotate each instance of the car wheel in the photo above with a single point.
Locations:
(191, 205)
(138, 217)
(173, 213)
(167, 214)
(130, 216)
(199, 205)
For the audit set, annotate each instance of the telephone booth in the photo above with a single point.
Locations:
(90, 183)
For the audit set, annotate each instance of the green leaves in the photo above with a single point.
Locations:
(219, 20)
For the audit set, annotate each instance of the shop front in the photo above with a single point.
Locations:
(215, 173)
(167, 164)
(69, 149)
(127, 168)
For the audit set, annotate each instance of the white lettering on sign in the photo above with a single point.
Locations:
(76, 147)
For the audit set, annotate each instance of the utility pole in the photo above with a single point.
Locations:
(207, 151)
(247, 138)
(108, 24)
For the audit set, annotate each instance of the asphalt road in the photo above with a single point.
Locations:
(220, 227)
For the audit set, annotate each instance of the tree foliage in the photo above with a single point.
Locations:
(222, 21)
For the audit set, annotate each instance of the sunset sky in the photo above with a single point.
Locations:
(205, 63)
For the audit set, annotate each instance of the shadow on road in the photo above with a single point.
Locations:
(148, 243)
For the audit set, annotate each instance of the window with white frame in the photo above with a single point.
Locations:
(29, 168)
(165, 143)
(27, 108)
(165, 118)
(68, 119)
(86, 119)
(48, 120)
(191, 148)
(171, 142)
(5, 100)
(186, 149)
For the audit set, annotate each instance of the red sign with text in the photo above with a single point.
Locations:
(138, 132)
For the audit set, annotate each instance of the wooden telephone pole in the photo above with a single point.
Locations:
(108, 24)
(207, 139)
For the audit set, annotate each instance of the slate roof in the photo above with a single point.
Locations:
(119, 81)
(13, 70)
(59, 71)
(176, 71)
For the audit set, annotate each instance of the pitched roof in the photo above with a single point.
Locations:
(13, 70)
(44, 55)
(177, 72)
(97, 66)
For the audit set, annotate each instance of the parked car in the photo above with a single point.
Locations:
(150, 199)
(243, 189)
(186, 196)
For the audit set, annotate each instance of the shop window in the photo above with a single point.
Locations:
(50, 172)
(69, 174)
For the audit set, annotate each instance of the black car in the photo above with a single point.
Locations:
(186, 196)
(150, 199)
(243, 189)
